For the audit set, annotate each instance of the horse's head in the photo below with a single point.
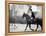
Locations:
(24, 15)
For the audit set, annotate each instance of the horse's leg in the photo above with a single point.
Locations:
(30, 27)
(41, 27)
(26, 27)
(37, 27)
(36, 24)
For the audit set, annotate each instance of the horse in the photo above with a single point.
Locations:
(34, 20)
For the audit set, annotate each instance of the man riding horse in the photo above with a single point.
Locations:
(30, 17)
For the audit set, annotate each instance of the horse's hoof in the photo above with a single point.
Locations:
(32, 29)
(24, 30)
(35, 30)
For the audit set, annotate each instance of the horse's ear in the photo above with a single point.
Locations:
(22, 15)
(24, 12)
